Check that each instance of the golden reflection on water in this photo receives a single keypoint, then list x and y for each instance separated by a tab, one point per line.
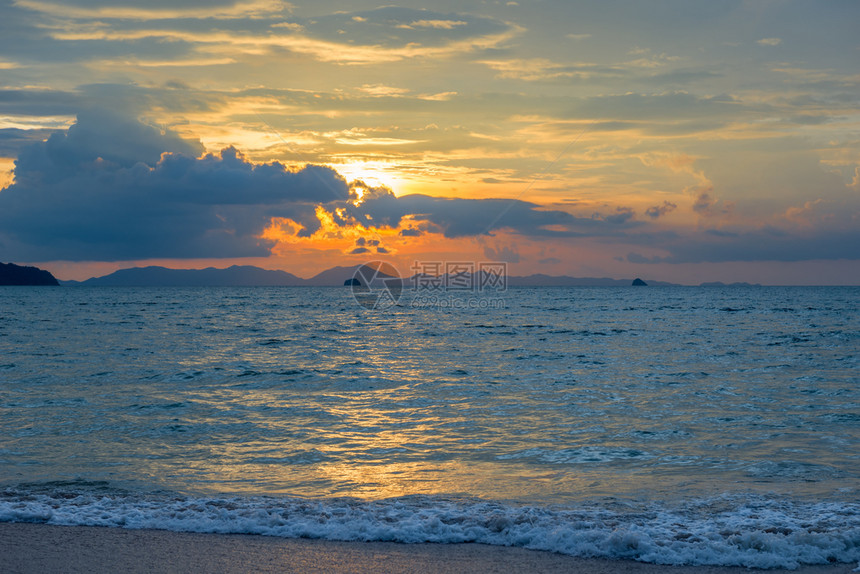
354	448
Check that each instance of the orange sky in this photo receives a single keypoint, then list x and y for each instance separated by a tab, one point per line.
692	142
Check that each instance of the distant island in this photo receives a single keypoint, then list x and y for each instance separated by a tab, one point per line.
11	274
250	276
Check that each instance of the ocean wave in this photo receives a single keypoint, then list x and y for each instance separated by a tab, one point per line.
731	530
584	455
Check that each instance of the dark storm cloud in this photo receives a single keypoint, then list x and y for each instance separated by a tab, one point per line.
457	217
97	137
110	188
13	140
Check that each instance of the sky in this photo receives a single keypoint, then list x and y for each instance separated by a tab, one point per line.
685	141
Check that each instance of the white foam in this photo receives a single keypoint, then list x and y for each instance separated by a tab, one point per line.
750	531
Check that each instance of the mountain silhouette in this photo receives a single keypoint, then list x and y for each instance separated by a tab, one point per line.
11	274
235	276
250	276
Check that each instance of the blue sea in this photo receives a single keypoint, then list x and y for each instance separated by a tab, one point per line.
672	425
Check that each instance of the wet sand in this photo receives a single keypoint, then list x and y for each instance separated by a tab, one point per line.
31	548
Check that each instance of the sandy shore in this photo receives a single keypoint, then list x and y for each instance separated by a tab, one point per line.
26	548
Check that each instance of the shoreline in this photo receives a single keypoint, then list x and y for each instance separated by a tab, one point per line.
29	548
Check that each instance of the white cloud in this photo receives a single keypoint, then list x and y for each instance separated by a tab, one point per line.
383	91
769	42
437	24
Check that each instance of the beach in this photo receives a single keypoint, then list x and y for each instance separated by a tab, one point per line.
31	548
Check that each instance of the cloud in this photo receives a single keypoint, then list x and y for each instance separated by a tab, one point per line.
682	76
113	188
439	24
381	90
655	69
39	102
672	106
708	206
621	215
110	188
820	229
396	27
98	137
766	244
542	69
855	181
12	140
660	210
769	42
458	217
506	253
195	35
158	10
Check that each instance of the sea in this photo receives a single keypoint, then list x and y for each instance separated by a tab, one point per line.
670	425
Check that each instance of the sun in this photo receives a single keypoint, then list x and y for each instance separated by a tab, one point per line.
372	173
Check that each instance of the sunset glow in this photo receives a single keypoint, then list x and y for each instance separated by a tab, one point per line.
692	142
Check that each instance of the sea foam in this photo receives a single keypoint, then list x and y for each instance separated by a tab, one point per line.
752	531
